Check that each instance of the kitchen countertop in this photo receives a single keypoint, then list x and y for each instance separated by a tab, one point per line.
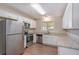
64	40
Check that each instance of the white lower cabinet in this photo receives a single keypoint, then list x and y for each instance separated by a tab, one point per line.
67	51
49	40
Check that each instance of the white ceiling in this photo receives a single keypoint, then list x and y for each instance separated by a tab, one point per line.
52	9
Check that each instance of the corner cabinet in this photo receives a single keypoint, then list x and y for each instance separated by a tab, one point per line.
70	18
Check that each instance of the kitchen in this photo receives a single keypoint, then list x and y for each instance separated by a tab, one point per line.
22	27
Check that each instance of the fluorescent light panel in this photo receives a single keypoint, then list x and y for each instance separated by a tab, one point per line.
38	8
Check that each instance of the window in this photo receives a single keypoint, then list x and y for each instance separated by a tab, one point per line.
49	25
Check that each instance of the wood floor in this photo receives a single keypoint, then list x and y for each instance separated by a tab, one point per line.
40	49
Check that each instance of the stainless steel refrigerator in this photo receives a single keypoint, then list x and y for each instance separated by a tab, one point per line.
11	37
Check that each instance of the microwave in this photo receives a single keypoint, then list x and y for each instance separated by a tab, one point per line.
26	25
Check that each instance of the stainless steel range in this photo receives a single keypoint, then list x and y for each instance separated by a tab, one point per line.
28	38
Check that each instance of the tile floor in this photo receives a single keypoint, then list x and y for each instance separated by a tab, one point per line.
40	49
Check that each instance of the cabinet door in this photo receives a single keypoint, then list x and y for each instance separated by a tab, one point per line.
33	24
49	40
67	18
75	15
14	44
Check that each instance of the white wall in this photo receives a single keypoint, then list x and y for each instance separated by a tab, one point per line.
58	25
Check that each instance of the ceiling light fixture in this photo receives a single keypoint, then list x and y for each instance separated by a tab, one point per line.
38	8
47	18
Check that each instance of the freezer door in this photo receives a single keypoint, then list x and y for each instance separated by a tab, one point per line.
13	27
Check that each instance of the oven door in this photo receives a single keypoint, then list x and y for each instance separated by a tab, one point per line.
29	40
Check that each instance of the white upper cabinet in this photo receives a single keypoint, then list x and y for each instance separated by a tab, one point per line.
75	10
70	18
67	18
32	24
28	20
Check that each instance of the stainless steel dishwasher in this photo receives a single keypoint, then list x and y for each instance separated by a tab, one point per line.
39	38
